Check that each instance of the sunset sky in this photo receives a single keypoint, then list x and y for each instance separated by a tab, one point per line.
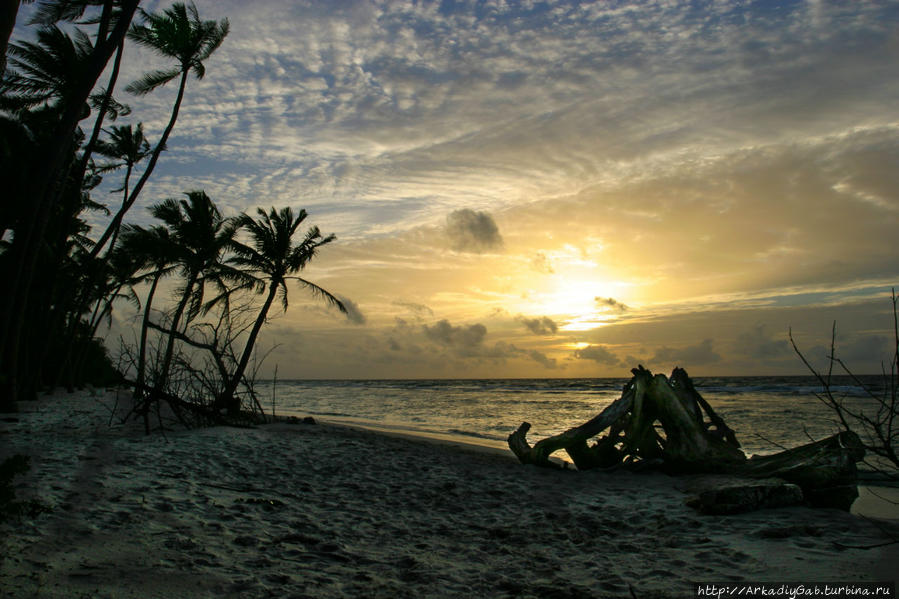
557	189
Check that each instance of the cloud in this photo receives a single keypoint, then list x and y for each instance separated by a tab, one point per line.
701	353
758	344
502	351
865	354
599	354
473	232
706	132
418	310
543	325
541	263
611	304
542	358
862	354
467	342
461	337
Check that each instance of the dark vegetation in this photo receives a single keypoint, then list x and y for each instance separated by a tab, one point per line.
875	419
63	279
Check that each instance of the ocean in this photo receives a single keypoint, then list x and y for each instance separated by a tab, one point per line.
767	413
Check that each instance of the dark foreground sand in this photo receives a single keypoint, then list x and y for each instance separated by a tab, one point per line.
328	511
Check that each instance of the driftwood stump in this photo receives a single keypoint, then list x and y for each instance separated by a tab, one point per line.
661	421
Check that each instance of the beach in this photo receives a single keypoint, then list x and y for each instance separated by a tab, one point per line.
321	510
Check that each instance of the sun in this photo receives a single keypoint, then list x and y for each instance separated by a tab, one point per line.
572	302
570	297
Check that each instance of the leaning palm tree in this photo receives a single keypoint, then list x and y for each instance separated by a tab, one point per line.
126	147
199	236
176	33
273	257
152	248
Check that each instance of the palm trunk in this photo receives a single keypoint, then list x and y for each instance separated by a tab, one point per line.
227	398
142	351
7	24
129	201
81	301
118	228
176	320
158	390
98	123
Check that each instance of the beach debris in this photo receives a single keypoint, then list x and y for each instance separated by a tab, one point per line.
664	423
728	495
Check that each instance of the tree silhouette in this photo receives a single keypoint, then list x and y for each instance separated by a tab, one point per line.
153	249
273	257
198	237
127	146
46	187
50	12
43	72
176	33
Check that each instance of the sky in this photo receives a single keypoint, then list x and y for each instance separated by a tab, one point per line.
556	189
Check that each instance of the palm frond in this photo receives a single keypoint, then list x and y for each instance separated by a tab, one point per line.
214	35
114	108
198	69
177	32
169	212
125	143
249	258
49	12
151	81
45	70
321	293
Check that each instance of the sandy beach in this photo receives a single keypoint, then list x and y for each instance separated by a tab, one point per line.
294	510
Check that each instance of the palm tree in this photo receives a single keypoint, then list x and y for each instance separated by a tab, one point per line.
176	33
153	249
44	71
39	85
274	257
120	274
127	146
17	145
50	12
199	237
